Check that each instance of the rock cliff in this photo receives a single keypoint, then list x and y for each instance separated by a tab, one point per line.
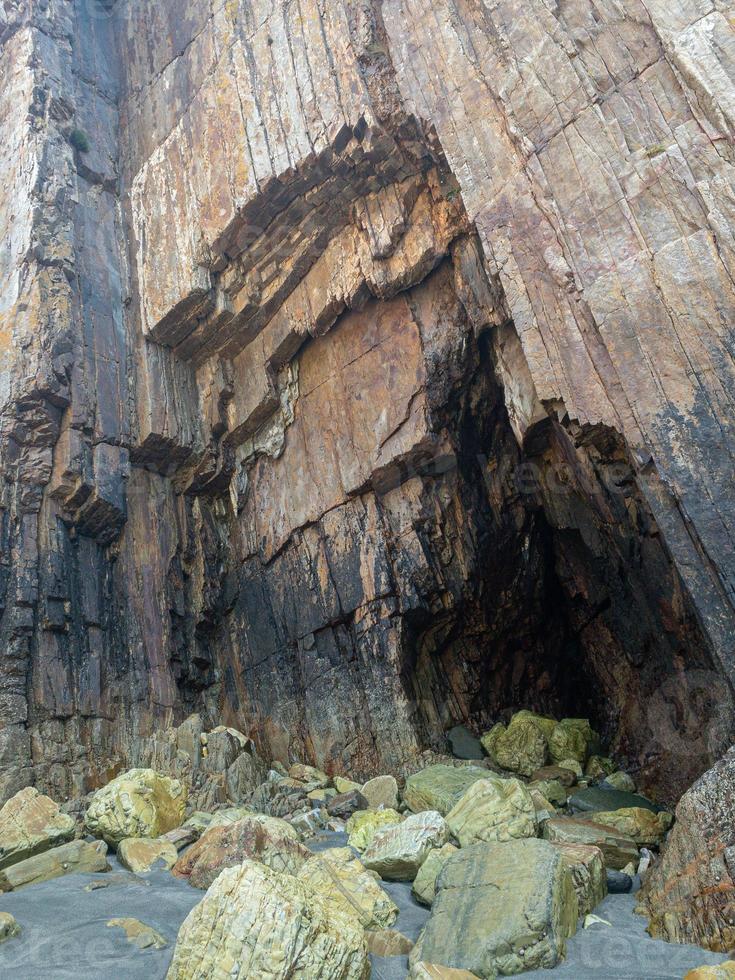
366	367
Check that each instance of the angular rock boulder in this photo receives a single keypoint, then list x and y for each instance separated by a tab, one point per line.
493	809
76	856
424	885
617	849
30	824
138	803
141	855
339	877
500	909
314	778
381	791
602	798
343	805
647	829
440	787
521	748
689	894
396	853
723	971
587	867
363	824
267	840
572	738
254	922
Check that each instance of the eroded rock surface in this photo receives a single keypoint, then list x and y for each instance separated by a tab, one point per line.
363	356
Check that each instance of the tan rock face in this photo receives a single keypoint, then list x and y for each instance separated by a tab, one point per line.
29	824
254	922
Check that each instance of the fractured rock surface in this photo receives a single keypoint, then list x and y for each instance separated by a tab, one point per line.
363	370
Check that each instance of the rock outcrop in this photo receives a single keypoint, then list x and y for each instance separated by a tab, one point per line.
364	355
689	895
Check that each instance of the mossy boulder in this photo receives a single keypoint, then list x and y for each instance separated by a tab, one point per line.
647	829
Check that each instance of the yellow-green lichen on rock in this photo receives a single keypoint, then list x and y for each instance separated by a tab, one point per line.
522	747
138	803
254	922
342	879
493	809
363	824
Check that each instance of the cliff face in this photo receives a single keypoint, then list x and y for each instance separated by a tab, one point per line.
365	367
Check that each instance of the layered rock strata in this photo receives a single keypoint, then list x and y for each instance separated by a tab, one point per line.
364	369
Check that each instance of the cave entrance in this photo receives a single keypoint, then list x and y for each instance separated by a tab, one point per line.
572	606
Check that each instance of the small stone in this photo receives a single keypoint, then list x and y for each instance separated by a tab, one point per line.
141	856
566	776
618	882
397	852
573	766
599	767
620	781
138	933
343	785
9	928
381	791
387	942
321	795
550	789
345	804
432	971
308	774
